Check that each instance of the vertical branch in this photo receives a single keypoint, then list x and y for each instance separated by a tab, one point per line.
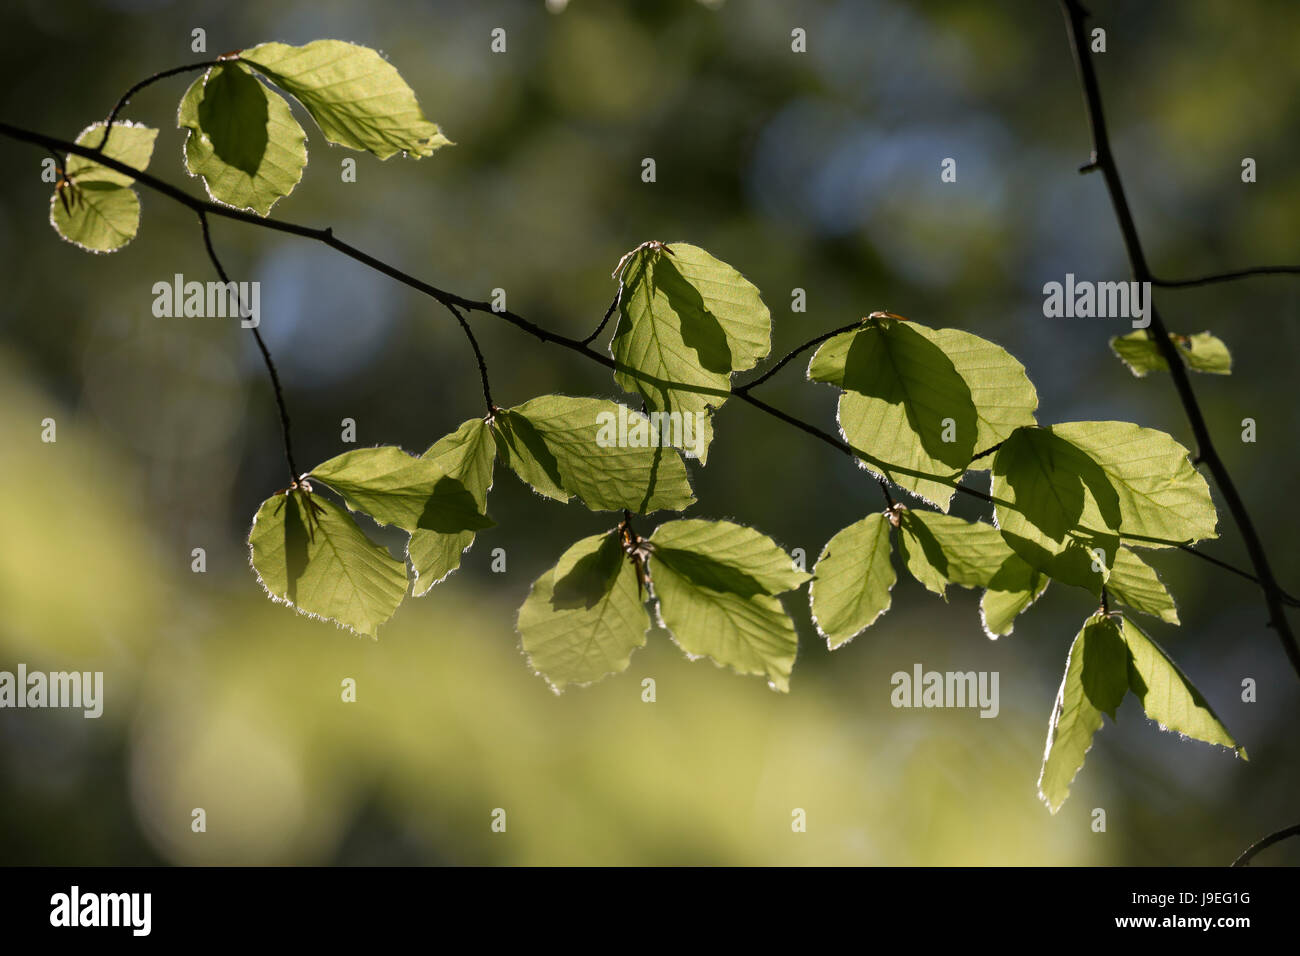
1205	452
294	473
478	355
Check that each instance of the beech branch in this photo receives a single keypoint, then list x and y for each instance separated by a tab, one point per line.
1205	451
458	305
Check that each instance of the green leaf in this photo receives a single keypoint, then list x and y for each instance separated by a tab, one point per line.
1163	501
322	564
1202	352
1095	682
243	139
715	584
1111	656
942	549
584	617
1135	583
566	446
100	217
357	98
398	489
1003	396
96	209
686	320
739	558
1167	696
1056	507
906	410
128	143
467	455
852	580
1014	587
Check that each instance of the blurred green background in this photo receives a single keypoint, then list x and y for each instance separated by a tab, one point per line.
818	171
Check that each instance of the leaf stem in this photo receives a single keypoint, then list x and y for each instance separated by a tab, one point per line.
478	356
294	473
618	295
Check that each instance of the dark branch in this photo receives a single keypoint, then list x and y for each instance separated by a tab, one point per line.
478	356
986	452
149	81
1264	844
1286	597
608	312
294	473
1159	333
1226	276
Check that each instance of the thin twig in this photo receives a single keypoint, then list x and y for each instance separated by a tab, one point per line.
1265	843
1287	598
149	81
478	355
294	473
1225	276
618	295
1075	15
740	389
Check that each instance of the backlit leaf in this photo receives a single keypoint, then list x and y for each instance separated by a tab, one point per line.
1135	583
1167	696
398	489
715	584
467	455
357	98
687	321
1163	500
1056	507
322	564
97	210
565	446
852	580
1203	352
906	410
584	617
242	139
1095	682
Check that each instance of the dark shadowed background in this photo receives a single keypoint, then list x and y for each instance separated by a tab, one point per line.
818	171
